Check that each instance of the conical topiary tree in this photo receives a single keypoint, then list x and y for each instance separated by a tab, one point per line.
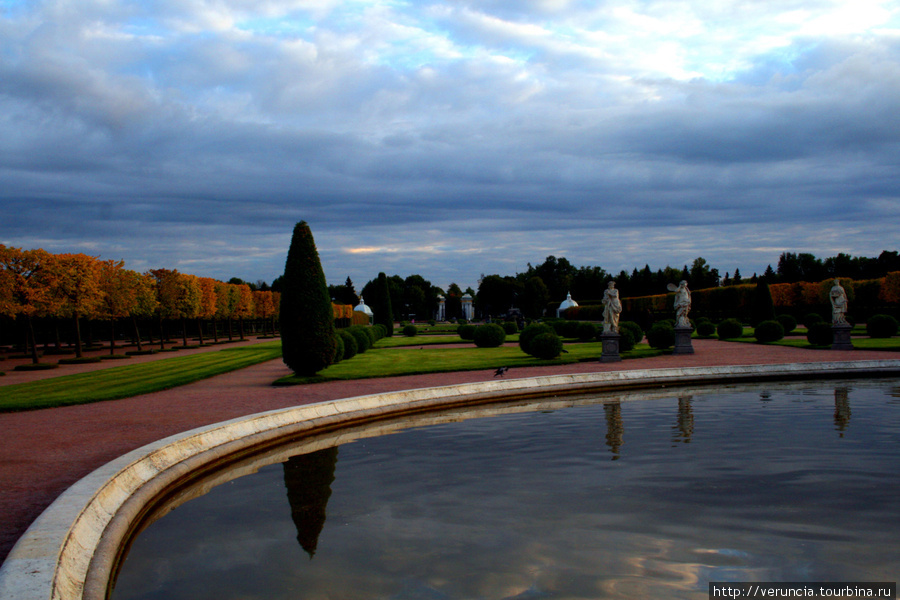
308	341
381	305
762	307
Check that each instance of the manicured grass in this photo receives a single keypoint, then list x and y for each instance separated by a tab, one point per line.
425	340
420	340
863	343
386	362
132	380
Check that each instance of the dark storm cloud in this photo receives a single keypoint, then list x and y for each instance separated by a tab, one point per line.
463	137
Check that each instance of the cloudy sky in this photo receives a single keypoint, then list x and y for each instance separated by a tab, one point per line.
449	138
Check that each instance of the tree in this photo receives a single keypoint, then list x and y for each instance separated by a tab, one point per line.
119	296
243	306
308	338
263	306
28	280
78	285
535	297
380	302
209	303
762	308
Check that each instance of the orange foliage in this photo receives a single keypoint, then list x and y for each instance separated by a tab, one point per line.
890	288
208	299
28	282
263	304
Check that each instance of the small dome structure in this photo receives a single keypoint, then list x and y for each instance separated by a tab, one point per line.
363	308
567	303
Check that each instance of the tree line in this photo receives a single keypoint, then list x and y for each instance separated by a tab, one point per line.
37	286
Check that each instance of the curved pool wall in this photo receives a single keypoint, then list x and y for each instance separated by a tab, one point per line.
70	551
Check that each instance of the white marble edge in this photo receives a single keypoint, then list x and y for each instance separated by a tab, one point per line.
52	559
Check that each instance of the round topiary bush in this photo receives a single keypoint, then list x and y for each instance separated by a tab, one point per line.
363	341
351	348
338	350
626	340
636	332
568	329
705	328
730	329
585	331
820	334
410	331
661	335
510	327
546	346
466	332
768	331
881	326
811	319
788	323
531	332
380	331
373	337
489	335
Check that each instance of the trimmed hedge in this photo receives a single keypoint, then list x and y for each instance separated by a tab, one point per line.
820	334
546	346
881	326
788	323
661	335
351	348
636	332
585	331
510	327
531	332
768	331
705	327
730	329
363	341
410	331
626	340
489	335
466	332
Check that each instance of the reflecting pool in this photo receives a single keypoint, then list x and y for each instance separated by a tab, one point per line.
642	495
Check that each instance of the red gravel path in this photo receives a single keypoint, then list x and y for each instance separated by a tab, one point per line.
43	452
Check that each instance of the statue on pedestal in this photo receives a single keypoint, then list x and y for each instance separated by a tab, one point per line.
682	304
612	307
838	304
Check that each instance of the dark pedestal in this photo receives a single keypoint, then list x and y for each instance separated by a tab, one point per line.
610	341
683	340
841	337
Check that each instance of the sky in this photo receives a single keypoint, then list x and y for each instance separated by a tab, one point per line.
449	138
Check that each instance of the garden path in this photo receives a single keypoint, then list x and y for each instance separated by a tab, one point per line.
43	452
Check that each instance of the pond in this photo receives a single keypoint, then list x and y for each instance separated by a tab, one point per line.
639	495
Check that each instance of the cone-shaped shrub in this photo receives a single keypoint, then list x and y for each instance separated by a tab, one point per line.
307	321
381	305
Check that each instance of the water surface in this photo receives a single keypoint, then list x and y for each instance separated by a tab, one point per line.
618	498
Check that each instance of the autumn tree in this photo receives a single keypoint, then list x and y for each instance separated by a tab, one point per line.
224	307
78	286
263	306
119	295
29	279
243	308
208	303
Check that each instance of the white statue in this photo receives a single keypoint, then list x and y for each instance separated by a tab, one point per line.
682	303
612	306
838	304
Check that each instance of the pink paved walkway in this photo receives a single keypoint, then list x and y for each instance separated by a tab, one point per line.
43	452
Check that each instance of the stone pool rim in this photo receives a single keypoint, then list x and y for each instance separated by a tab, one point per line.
70	551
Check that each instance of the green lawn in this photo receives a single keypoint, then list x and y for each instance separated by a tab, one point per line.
385	362
132	380
859	343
